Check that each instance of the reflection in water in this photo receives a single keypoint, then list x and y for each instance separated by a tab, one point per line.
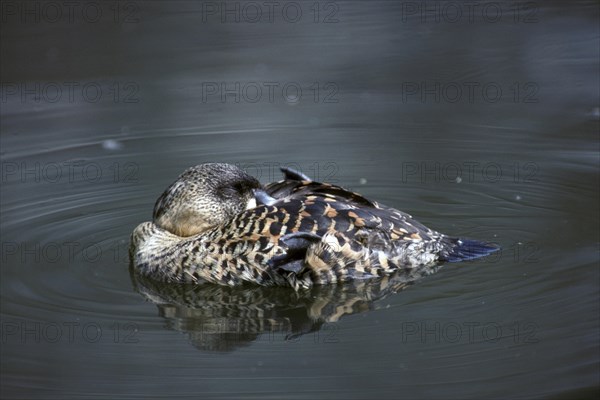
223	318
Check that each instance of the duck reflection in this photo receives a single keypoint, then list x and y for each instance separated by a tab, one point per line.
223	318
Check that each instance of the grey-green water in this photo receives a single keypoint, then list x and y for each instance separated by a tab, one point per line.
482	124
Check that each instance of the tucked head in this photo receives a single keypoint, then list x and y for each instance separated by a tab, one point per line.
203	197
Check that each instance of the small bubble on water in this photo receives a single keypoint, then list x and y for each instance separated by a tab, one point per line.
458	179
362	181
518	197
111	144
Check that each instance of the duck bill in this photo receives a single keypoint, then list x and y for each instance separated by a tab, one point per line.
262	198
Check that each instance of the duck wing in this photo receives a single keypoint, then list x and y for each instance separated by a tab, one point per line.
319	217
331	207
298	189
366	236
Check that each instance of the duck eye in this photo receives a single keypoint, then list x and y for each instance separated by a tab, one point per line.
227	192
239	187
236	189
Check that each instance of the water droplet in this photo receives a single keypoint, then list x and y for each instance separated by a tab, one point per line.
111	144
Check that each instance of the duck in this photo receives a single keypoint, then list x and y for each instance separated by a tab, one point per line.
216	223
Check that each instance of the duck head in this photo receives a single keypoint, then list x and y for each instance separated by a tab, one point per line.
204	197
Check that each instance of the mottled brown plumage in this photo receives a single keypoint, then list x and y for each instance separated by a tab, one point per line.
295	232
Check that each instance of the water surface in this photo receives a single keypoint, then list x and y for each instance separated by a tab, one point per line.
482	128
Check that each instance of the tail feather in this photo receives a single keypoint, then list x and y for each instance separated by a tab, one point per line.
466	249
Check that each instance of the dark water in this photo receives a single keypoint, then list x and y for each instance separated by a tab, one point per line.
482	124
